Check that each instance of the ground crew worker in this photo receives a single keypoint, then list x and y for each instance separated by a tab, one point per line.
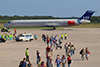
6	36
9	36
65	36
15	31
61	36
2	35
27	55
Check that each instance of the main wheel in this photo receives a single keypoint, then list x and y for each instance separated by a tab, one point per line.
54	28
30	40
26	40
3	41
16	40
21	40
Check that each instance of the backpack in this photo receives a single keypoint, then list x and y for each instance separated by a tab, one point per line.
81	52
88	52
69	61
53	41
47	40
20	63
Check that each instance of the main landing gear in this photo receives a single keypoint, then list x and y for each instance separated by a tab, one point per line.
54	28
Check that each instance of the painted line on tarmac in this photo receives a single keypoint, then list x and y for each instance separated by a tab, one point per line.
11	53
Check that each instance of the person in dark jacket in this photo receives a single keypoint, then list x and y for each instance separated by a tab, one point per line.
23	63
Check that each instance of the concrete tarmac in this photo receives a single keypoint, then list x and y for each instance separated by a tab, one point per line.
12	52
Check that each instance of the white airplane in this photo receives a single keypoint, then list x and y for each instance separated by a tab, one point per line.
50	22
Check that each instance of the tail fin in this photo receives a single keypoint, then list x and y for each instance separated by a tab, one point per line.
87	15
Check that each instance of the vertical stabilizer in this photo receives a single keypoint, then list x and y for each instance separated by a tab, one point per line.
87	15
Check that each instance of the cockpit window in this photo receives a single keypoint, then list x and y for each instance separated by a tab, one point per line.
8	22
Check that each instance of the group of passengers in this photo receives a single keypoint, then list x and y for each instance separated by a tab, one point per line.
69	49
55	42
59	61
84	53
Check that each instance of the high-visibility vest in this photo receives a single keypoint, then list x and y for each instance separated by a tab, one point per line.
9	35
26	52
65	35
2	35
6	36
61	35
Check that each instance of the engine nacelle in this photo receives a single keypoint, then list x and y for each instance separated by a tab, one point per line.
71	22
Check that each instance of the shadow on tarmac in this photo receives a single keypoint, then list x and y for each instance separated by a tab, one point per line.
77	60
48	29
57	29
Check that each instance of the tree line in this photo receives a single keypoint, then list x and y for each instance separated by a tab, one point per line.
95	19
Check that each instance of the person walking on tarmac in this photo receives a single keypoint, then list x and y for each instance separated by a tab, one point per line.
15	31
27	55
23	63
82	52
35	37
62	36
69	60
87	53
65	36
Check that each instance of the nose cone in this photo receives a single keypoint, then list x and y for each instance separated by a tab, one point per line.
5	25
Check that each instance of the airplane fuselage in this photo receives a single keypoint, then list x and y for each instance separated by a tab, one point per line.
50	22
43	23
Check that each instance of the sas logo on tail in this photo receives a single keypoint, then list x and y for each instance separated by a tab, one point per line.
86	17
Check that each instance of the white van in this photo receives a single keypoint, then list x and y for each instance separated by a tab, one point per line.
24	37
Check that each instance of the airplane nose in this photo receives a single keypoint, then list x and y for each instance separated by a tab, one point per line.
5	25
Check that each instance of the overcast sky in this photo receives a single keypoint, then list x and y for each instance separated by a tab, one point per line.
56	8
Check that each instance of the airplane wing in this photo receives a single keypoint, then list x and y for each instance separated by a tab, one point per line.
52	24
